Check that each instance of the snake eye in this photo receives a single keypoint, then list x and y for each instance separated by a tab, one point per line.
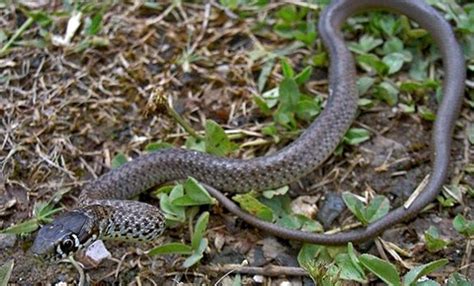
69	244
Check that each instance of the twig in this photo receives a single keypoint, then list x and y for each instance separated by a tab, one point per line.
467	256
417	191
271	270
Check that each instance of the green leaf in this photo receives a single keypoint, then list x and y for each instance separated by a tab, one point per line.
457	279
366	44
355	136
262	104
364	84
199	229
306	33
285	118
307	109
286	68
418	87
309	225
156	146
394	61
280	205
197	192
95	24
419	68
230	4
393	45
216	140
453	191
416	273
385	270
118	160
271	97
407	108
193	143
3	37
377	208
387	92
197	254
370	62
355	260
365	102
289	94
194	194
426	113
320	59
349	271
24	227
355	206
40	17
278	192
433	241
171	211
271	130
308	254
253	206
463	226
5	272
289	221
264	74
446	202
237	280
43	211
288	14
389	24
304	75
171	248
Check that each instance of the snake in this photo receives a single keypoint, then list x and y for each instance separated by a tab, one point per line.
105	211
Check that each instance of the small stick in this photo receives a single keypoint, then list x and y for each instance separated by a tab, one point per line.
271	270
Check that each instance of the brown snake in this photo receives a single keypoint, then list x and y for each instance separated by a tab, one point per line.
105	212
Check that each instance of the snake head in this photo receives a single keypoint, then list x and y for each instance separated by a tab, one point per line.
64	236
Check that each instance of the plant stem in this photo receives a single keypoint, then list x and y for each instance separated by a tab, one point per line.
181	121
17	34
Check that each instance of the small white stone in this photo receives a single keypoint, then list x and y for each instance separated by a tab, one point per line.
97	252
258	278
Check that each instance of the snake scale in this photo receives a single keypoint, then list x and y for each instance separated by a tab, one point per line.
105	212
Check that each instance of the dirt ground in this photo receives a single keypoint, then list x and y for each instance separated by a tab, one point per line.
65	112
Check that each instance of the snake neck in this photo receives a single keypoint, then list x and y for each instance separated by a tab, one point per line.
124	220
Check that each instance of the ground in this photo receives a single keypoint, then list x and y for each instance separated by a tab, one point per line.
69	106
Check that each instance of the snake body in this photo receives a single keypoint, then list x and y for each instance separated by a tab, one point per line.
104	211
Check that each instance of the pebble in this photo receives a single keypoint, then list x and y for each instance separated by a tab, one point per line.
258	278
97	252
331	208
7	241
